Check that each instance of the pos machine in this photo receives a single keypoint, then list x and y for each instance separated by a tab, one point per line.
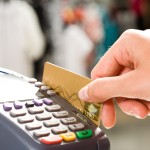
34	116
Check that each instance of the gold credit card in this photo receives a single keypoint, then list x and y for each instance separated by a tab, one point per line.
67	84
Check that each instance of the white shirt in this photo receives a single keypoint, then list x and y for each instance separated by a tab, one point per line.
74	47
21	39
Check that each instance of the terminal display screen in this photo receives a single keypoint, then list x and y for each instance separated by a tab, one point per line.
15	88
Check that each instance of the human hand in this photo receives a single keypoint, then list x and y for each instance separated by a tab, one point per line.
122	73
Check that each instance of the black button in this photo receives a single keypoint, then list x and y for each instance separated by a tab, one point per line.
29	104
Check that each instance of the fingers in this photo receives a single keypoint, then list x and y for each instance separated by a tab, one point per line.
123	67
107	66
137	108
124	54
108	116
119	56
103	89
133	107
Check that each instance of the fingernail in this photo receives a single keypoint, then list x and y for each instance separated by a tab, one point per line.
108	127
131	113
83	94
137	116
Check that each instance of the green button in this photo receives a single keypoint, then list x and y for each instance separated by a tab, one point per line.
84	134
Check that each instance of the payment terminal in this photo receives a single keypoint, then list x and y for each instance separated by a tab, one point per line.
35	117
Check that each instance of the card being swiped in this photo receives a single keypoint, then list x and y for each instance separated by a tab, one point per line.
67	84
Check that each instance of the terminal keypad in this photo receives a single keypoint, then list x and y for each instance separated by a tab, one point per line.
47	121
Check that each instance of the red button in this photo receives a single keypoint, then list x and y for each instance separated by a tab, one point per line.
51	140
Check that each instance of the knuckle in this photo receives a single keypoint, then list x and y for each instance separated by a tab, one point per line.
133	34
129	32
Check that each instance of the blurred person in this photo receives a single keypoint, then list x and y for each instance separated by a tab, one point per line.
21	39
111	29
123	73
93	27
77	40
75	46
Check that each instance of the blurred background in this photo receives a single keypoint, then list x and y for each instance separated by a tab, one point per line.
73	34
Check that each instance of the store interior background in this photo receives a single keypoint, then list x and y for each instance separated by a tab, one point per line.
74	34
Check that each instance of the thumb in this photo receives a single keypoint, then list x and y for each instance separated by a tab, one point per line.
102	89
